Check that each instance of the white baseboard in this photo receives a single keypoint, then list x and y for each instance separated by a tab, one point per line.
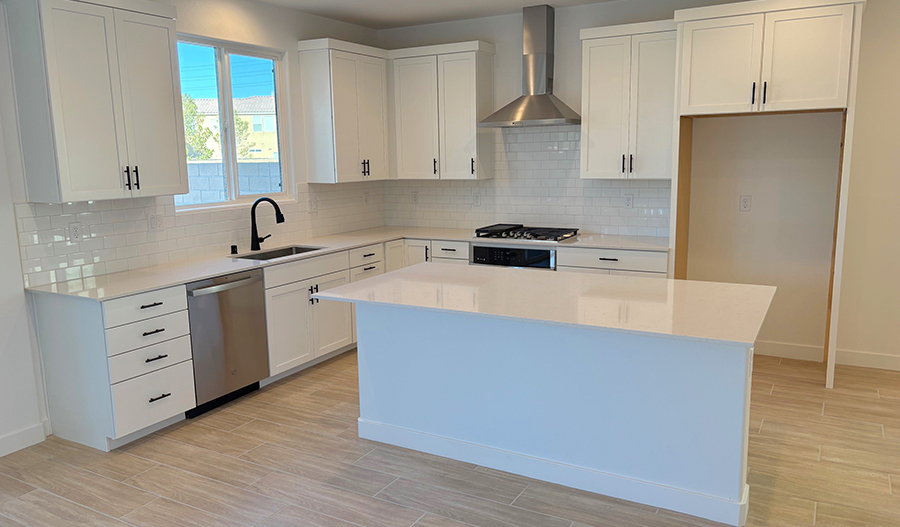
868	359
680	500
23	438
275	378
789	351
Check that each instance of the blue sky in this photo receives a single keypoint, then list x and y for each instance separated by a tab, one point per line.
250	75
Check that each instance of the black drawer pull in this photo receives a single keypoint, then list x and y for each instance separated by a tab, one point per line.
369	268
448	249
609	259
154	332
154	304
368	255
154	359
163	396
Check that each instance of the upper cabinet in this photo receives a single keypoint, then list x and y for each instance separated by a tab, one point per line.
775	61
98	99
440	94
627	101
344	98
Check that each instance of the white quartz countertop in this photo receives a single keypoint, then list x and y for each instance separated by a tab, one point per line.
675	308
126	283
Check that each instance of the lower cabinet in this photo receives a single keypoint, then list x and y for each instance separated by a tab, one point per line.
393	255
149	399
289	338
416	251
450	261
332	321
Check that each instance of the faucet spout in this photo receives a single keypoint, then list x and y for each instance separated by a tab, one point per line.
255	239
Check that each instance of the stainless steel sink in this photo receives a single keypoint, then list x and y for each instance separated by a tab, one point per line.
278	253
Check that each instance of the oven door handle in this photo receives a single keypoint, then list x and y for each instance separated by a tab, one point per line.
211	290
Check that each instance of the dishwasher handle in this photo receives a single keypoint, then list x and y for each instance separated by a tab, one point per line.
213	289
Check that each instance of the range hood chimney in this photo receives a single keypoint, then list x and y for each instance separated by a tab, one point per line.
538	106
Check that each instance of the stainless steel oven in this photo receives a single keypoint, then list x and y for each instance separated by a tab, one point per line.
514	256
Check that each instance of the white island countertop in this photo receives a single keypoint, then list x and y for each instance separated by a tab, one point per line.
674	308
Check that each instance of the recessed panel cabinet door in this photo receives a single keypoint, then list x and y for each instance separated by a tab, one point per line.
456	98
332	320
604	107
721	60
416	251
344	84
652	105
85	100
288	312
416	117
393	255
806	58
373	115
151	93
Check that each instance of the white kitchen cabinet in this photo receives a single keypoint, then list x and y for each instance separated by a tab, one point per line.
288	310
455	261
588	270
393	255
439	98
100	88
628	90
344	100
332	321
806	58
416	251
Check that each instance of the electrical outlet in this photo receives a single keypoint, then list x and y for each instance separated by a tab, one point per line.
745	203
415	196
629	201
312	205
75	232
367	198
155	223
476	199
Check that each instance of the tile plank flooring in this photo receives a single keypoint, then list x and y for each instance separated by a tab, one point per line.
289	455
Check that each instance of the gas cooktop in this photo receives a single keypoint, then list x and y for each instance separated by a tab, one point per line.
518	231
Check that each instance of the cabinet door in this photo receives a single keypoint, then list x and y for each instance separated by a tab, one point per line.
806	58
85	100
332	321
288	312
416	251
393	255
416	117
652	105
151	93
606	64
456	101
720	68
373	132
345	108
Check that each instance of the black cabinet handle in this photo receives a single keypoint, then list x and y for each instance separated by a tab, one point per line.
630	162
753	94
368	167
623	163
154	332
154	304
765	90
369	268
317	290
163	396
311	299
473	166
435	165
137	179
368	255
128	178
426	253
154	359
448	249
364	167
609	259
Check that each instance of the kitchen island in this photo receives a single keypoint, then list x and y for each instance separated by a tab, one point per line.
636	388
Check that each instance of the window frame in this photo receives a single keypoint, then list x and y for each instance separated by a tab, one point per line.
224	49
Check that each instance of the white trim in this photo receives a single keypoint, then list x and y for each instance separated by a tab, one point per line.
657	26
869	359
341	45
23	438
112	444
790	350
754	7
441	49
287	373
716	509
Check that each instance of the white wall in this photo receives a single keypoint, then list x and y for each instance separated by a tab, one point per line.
868	332
788	164
20	419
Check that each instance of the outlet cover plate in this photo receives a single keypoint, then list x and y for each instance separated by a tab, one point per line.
155	223
745	203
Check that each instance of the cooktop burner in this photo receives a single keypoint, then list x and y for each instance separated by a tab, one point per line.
519	231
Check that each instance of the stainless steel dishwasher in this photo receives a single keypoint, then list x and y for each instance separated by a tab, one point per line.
228	337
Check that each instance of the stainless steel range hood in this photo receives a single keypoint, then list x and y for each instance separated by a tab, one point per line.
538	106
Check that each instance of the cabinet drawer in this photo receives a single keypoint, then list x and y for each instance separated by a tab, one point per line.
143	306
149	399
146	332
296	271
145	360
655	262
455	250
366	255
366	271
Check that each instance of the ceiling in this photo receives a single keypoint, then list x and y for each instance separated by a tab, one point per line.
386	14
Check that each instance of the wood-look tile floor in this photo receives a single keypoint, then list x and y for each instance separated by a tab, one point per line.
289	455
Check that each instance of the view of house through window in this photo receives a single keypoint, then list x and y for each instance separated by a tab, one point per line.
240	158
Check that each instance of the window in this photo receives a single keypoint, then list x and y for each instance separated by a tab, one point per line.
230	98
